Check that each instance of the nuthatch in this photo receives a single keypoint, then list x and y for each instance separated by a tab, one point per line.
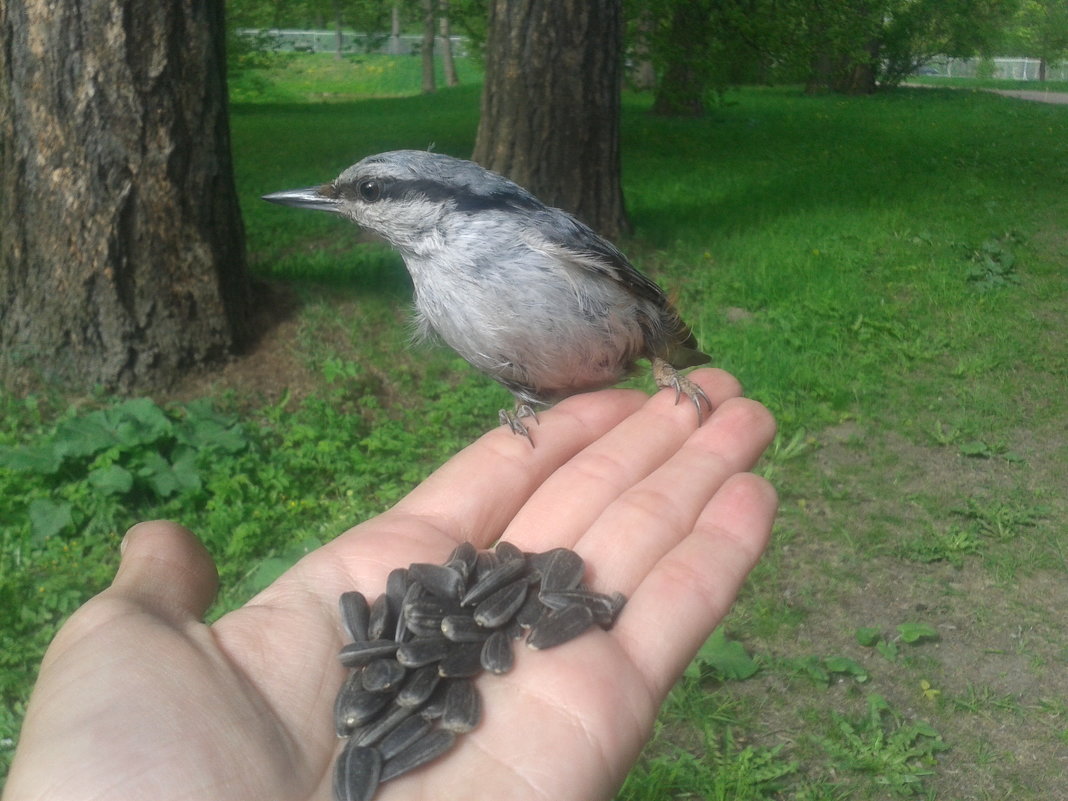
524	292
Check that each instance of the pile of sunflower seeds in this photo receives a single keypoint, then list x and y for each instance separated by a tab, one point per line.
416	650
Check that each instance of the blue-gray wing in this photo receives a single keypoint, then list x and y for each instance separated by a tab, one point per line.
577	245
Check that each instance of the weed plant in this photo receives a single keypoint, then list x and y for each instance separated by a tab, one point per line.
885	273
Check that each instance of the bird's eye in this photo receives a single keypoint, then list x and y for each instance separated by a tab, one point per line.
370	190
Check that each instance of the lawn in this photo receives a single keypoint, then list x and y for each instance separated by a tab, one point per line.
885	273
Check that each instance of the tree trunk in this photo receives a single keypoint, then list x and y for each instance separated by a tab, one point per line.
338	40
449	65
550	104
429	82
686	81
122	259
394	30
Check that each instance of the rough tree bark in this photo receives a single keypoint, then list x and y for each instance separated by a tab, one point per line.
550	104
122	258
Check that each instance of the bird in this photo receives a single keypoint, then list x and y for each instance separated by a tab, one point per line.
524	292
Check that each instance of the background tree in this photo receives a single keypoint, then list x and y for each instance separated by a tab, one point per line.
852	46
429	9
122	258
448	63
550	104
1040	30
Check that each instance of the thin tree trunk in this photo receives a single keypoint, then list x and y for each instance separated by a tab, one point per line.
551	104
451	78
122	258
338	41
429	81
395	28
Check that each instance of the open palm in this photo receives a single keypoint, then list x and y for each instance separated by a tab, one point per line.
139	699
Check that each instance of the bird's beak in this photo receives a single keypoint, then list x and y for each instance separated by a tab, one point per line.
320	198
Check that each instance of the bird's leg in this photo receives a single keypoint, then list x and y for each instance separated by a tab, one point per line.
514	419
667	376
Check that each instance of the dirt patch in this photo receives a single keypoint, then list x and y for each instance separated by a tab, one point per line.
269	368
857	517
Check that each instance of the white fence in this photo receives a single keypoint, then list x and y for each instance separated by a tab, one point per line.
1017	69
325	41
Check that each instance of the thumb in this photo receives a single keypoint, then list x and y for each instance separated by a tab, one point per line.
167	569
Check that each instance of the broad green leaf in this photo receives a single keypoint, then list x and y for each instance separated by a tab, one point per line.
48	517
139	421
85	435
843	664
113	479
41	459
726	657
914	632
868	636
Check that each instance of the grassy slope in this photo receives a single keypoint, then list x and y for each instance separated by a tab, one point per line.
821	248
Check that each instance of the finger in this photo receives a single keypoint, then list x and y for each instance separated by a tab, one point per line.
474	495
651	518
576	494
688	592
167	569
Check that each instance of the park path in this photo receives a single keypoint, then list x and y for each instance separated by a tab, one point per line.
1057	98
1060	98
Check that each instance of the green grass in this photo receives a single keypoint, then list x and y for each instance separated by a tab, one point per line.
322	77
886	273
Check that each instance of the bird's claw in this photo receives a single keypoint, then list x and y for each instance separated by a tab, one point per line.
667	376
514	420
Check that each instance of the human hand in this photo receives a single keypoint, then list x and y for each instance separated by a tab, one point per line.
138	699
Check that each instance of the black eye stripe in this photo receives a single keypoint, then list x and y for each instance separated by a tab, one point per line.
370	190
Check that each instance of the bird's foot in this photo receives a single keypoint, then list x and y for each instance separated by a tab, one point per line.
667	376
514	420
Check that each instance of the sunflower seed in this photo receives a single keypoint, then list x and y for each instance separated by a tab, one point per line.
360	653
382	675
562	570
559	626
419	685
397	587
357	773
430	610
380	621
404	735
498	608
463	707
604	607
448	622
422	651
493	580
485	562
496	655
355	706
435	705
444	582
514	630
462	661
355	613
424	629
462	628
430	746
371	733
531	611
507	551
465	552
